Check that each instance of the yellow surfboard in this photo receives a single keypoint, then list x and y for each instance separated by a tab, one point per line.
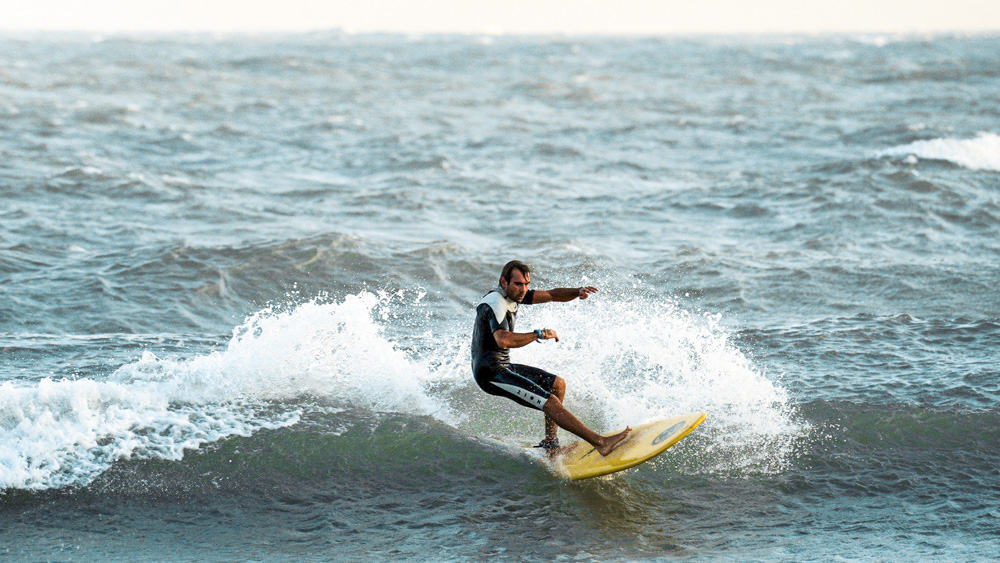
580	460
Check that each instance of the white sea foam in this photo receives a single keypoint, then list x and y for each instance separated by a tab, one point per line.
979	153
59	433
316	348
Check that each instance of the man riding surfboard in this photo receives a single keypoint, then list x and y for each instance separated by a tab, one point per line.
492	338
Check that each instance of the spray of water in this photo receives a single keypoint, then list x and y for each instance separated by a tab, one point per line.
630	358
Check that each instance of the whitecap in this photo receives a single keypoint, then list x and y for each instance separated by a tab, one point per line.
979	153
58	433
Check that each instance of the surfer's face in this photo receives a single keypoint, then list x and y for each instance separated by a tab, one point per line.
517	286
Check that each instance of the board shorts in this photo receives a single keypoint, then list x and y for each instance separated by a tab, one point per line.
525	385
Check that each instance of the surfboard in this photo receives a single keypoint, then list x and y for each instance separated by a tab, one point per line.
580	460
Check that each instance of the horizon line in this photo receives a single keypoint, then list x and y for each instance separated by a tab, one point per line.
505	33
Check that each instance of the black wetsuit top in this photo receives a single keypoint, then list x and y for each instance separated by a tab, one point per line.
485	350
491	365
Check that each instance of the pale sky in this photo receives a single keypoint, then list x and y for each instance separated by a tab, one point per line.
505	16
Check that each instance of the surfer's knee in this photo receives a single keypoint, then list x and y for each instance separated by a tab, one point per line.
552	404
559	387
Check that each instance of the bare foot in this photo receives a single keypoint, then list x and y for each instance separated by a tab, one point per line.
608	443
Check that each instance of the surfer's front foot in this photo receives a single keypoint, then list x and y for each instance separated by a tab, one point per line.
609	443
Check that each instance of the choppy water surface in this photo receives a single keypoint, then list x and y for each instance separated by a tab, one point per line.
236	280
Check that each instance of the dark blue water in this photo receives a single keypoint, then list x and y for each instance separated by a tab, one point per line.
237	273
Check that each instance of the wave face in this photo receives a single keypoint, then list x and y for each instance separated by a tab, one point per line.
237	277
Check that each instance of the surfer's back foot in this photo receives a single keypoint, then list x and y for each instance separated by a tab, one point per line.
609	443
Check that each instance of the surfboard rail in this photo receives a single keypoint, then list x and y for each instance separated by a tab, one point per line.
580	460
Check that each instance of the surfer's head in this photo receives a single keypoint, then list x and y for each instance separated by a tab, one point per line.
515	279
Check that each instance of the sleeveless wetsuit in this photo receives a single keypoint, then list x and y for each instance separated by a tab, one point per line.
491	365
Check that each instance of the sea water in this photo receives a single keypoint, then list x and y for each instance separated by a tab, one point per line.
237	276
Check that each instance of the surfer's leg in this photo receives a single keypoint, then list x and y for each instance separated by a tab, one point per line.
551	428
565	419
553	385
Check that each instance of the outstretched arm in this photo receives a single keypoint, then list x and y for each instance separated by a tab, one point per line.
563	294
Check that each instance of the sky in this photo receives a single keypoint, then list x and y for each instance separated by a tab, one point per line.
615	17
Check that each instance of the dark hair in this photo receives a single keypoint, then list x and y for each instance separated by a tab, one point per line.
509	268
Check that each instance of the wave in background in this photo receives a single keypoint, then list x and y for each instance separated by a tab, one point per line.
979	153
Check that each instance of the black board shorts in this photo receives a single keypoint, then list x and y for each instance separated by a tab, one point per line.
525	385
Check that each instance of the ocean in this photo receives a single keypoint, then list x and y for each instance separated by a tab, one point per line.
237	279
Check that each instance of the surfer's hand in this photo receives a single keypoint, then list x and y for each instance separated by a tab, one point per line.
548	333
584	292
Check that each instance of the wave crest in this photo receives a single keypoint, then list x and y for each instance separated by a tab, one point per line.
979	153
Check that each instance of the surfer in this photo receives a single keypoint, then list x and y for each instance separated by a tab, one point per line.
493	336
